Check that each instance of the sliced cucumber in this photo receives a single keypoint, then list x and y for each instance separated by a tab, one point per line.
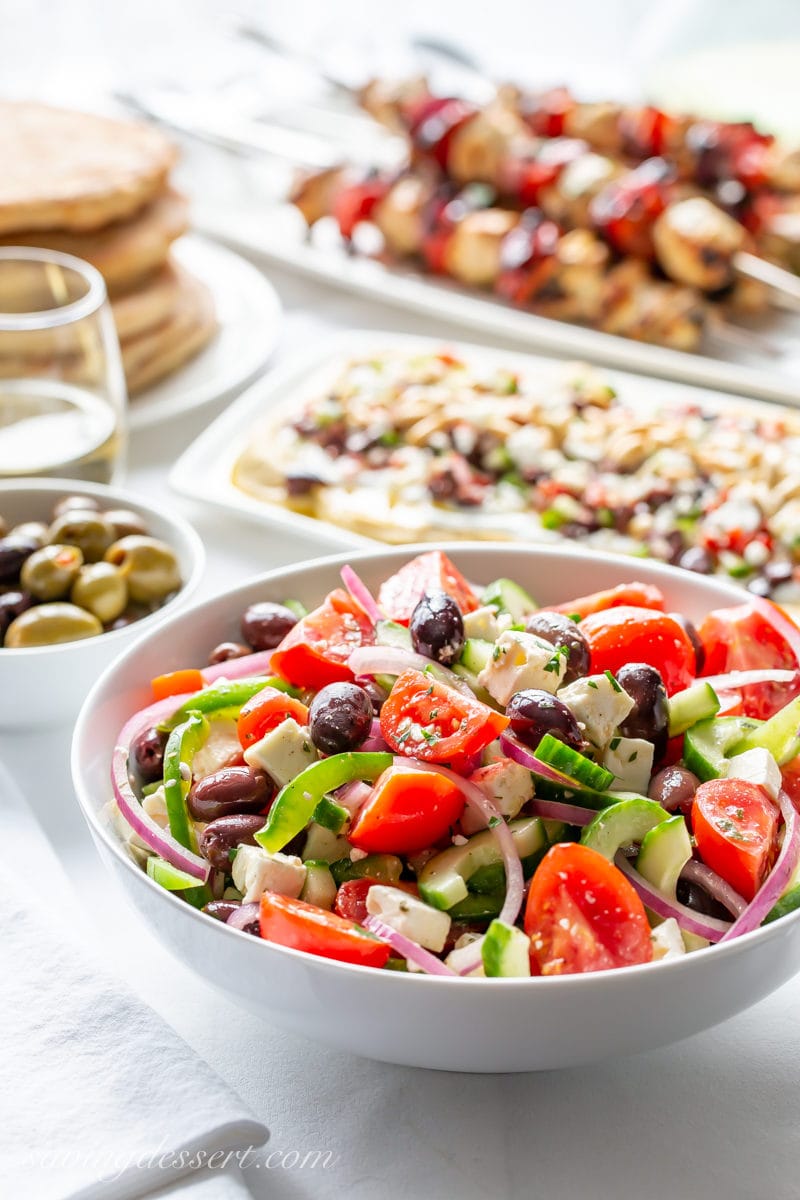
505	951
331	815
383	868
443	879
707	744
780	735
580	768
476	654
477	906
320	886
621	824
169	877
556	831
665	851
507	596
492	878
389	633
697	703
788	902
324	845
295	606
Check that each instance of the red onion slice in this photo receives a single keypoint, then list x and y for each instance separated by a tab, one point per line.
571	814
409	950
243	916
393	660
157	839
361	594
515	881
705	927
715	885
238	668
740	679
353	794
775	884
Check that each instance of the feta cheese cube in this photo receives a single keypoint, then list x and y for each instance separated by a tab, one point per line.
507	784
757	766
283	752
667	941
482	623
255	872
426	926
599	704
631	760
522	660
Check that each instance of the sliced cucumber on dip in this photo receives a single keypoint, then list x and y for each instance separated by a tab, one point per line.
505	595
622	824
697	703
708	744
665	851
557	754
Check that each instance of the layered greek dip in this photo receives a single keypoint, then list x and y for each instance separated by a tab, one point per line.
450	780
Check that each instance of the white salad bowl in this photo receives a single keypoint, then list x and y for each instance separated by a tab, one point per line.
426	1021
46	685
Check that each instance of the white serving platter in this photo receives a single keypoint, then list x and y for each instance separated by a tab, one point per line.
768	370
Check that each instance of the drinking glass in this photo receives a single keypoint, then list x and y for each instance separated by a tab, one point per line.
62	389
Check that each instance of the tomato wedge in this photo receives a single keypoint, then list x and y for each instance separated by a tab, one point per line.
624	635
265	711
583	915
636	595
351	898
735	825
740	639
407	811
176	683
425	719
302	926
430	572
315	651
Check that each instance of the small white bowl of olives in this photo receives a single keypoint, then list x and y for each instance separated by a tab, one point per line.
83	570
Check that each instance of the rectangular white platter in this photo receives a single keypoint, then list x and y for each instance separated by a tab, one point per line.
203	472
768	370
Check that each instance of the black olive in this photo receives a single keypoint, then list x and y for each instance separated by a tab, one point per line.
559	630
13	552
147	752
265	625
674	788
437	628
229	790
340	718
534	713
649	717
225	834
11	605
698	899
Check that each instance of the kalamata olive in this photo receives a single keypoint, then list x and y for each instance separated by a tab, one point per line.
100	589
70	503
534	713
437	628
229	790
225	651
697	559
147	754
221	909
694	638
89	531
125	522
559	630
698	899
377	695
340	718
149	566
49	624
49	573
265	625
674	788
36	531
13	552
225	834
11	605
649	716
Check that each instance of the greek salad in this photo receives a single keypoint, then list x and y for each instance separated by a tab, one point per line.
448	779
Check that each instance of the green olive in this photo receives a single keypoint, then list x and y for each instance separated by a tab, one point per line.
149	566
47	624
50	572
70	503
101	590
34	531
90	531
125	522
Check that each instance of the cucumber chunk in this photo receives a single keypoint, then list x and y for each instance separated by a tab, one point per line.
780	735
697	703
621	824
297	607
476	655
707	745
443	879
320	886
478	906
507	596
389	633
665	851
563	758
505	951
331	815
383	868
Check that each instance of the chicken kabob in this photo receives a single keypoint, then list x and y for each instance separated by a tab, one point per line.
523	256
647	211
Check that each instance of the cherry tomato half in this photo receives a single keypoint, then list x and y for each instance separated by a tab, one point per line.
407	811
351	898
735	825
431	572
583	915
303	926
425	719
266	710
625	635
315	651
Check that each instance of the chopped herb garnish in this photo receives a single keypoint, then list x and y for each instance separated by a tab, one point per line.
576	617
592	683
634	756
494	822
612	681
612	745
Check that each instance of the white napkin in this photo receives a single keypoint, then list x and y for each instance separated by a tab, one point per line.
98	1091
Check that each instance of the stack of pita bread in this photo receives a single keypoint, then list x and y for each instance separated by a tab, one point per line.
99	188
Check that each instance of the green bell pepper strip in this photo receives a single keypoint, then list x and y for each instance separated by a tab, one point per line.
182	745
295	804
171	878
228	696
